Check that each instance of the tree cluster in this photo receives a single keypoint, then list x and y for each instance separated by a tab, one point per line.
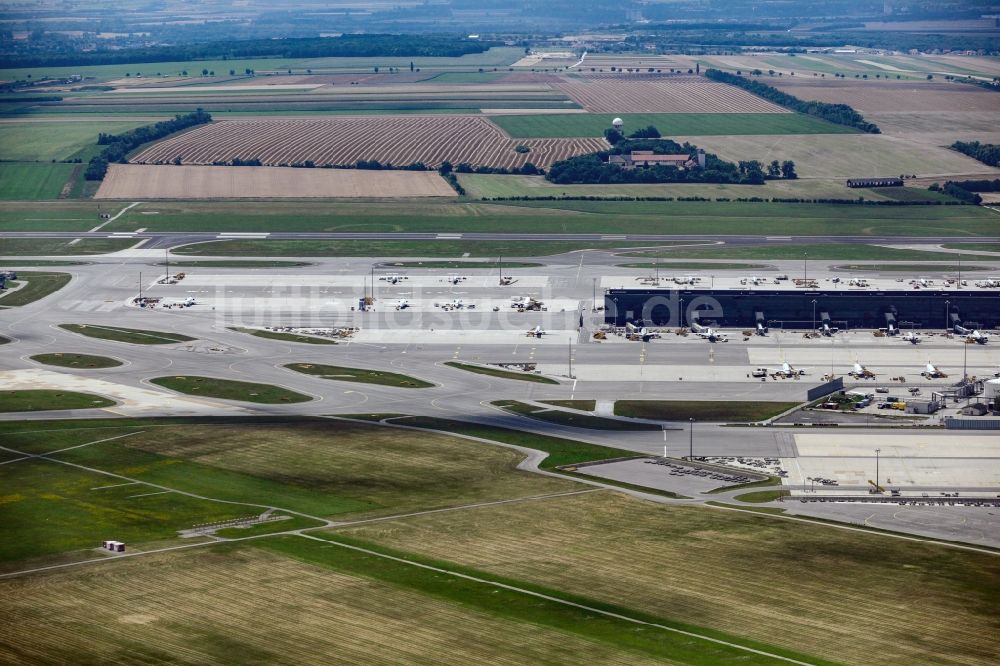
118	146
987	153
840	114
596	168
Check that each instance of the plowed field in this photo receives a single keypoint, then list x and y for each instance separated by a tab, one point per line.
346	140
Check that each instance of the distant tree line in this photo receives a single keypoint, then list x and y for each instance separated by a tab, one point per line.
841	114
118	146
860	201
966	190
374	45
987	153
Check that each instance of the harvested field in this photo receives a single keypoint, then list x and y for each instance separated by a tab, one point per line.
891	96
844	156
664	95
348	139
144	181
249	605
814	588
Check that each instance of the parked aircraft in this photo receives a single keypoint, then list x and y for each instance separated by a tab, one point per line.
978	337
861	372
931	372
911	337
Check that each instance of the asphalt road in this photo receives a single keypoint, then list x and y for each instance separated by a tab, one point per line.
163	239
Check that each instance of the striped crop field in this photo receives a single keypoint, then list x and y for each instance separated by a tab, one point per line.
345	140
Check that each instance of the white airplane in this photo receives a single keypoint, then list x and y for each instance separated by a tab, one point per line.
455	279
978	337
911	337
861	372
788	371
189	301
536	332
931	372
394	278
707	332
402	304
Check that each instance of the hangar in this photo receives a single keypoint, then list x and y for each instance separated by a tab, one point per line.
781	306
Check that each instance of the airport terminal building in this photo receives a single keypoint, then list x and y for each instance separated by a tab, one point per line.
807	306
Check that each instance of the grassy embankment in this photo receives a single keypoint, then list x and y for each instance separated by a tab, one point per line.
572	419
360	375
134	336
71	360
38	286
701	410
229	389
284	337
40	400
501	373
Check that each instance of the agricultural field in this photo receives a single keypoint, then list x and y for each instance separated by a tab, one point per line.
145	181
808	587
345	140
876	96
852	156
251	605
663	95
46	141
670	125
33	180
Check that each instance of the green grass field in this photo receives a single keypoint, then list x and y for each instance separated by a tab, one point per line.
560	451
570	418
669	124
320	467
463	265
134	336
693	265
360	375
374	248
37	286
284	337
501	373
235	263
974	247
489	186
914	268
604	217
45	141
583	405
54	508
38	247
39	400
30	181
229	389
72	360
700	410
